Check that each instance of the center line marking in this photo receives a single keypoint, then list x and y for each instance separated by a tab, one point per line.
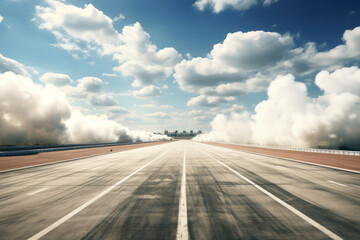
337	183
292	209
40	190
77	210
182	228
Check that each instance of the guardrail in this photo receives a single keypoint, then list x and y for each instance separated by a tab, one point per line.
34	149
316	150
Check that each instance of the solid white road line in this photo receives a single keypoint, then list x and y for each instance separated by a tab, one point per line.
292	209
77	210
293	160
182	228
40	190
337	183
299	161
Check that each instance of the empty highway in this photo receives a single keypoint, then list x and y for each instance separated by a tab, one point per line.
179	190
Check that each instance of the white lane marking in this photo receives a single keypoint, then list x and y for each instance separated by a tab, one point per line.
182	228
337	183
293	160
40	190
292	209
73	159
77	210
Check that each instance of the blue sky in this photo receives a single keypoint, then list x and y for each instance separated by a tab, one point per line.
176	64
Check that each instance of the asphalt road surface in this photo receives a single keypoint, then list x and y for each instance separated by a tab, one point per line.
180	190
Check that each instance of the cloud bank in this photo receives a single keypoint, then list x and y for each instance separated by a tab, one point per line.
290	117
247	62
33	114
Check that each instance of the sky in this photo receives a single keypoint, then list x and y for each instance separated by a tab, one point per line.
249	71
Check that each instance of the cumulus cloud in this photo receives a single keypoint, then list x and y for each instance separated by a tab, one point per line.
239	58
248	62
92	128
91	84
90	28
140	58
117	109
57	79
208	101
339	81
148	91
8	64
68	21
89	88
218	6
33	114
290	117
102	100
30	113
341	54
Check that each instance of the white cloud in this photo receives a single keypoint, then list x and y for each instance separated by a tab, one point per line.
30	113
103	99
91	84
148	91
218	6
140	58
290	117
211	101
340	81
8	64
57	79
236	128
239	58
93	30
117	110
68	21
109	74
248	62
33	114
89	88
340	54
119	18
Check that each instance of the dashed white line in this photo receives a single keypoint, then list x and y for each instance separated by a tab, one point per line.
77	210
182	228
292	209
340	184
40	190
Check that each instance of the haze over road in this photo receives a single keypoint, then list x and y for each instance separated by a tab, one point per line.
180	190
